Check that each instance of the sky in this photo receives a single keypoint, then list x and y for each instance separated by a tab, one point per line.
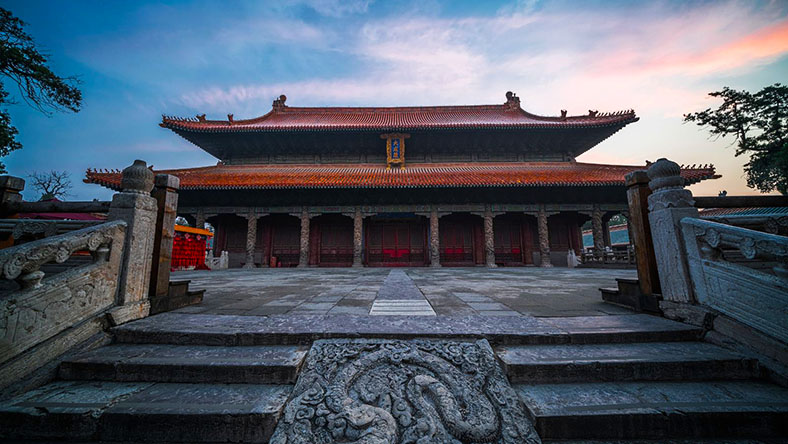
137	60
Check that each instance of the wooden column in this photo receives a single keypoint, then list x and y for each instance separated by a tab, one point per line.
251	239
640	231
435	242
489	238
358	244
165	191
544	238
303	256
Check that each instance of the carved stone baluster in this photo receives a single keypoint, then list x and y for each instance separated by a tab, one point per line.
544	238
138	209
668	204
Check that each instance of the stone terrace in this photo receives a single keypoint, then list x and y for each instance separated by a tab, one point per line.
450	291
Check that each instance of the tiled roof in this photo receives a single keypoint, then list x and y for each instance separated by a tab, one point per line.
270	176
507	115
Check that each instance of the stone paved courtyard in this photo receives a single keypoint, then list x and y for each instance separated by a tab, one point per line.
449	291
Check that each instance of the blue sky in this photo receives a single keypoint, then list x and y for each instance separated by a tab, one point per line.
138	60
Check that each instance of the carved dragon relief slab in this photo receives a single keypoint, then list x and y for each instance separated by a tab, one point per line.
395	391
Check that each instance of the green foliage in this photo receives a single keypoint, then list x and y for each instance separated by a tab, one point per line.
24	65
759	124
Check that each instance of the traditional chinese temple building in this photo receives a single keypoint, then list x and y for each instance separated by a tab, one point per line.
401	186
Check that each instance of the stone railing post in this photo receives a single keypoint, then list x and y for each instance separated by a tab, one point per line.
435	241
544	238
489	238
358	245
10	189
640	231
165	191
137	208
303	254
667	205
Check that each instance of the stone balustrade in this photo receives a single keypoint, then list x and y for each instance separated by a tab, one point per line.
45	306
768	223
21	228
44	316
752	296
22	263
731	280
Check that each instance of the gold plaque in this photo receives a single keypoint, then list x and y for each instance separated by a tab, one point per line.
395	149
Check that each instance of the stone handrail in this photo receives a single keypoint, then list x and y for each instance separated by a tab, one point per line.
93	206
22	262
756	298
41	310
22	227
769	223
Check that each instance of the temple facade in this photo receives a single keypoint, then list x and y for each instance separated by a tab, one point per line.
434	186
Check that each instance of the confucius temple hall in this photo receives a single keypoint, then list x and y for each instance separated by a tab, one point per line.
402	186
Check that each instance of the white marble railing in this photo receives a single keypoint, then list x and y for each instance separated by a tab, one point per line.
768	223
41	306
217	263
754	297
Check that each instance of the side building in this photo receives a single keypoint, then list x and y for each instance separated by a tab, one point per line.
400	186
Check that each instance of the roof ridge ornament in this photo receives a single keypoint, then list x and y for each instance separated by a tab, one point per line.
279	104
512	101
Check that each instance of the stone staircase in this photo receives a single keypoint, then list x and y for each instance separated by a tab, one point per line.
210	378
644	390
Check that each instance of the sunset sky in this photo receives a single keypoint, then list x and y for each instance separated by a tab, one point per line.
138	60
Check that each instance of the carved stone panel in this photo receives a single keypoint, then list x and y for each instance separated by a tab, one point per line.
395	391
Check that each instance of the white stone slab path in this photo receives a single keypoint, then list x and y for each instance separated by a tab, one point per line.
401	307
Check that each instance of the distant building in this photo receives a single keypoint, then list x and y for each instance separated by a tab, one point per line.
401	186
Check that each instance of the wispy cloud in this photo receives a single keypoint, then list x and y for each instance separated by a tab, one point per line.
579	59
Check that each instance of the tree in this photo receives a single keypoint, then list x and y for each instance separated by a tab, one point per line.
51	185
759	124
23	64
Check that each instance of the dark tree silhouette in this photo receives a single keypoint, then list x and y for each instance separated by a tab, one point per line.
23	64
51	185
759	124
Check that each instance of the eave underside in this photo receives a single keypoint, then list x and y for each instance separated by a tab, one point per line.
425	196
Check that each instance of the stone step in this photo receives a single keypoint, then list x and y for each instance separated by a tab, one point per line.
185	328
653	361
149	412
187	363
655	410
662	441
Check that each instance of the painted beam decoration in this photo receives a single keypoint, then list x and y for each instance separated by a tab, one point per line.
395	149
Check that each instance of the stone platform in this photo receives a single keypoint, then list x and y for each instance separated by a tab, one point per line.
448	291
